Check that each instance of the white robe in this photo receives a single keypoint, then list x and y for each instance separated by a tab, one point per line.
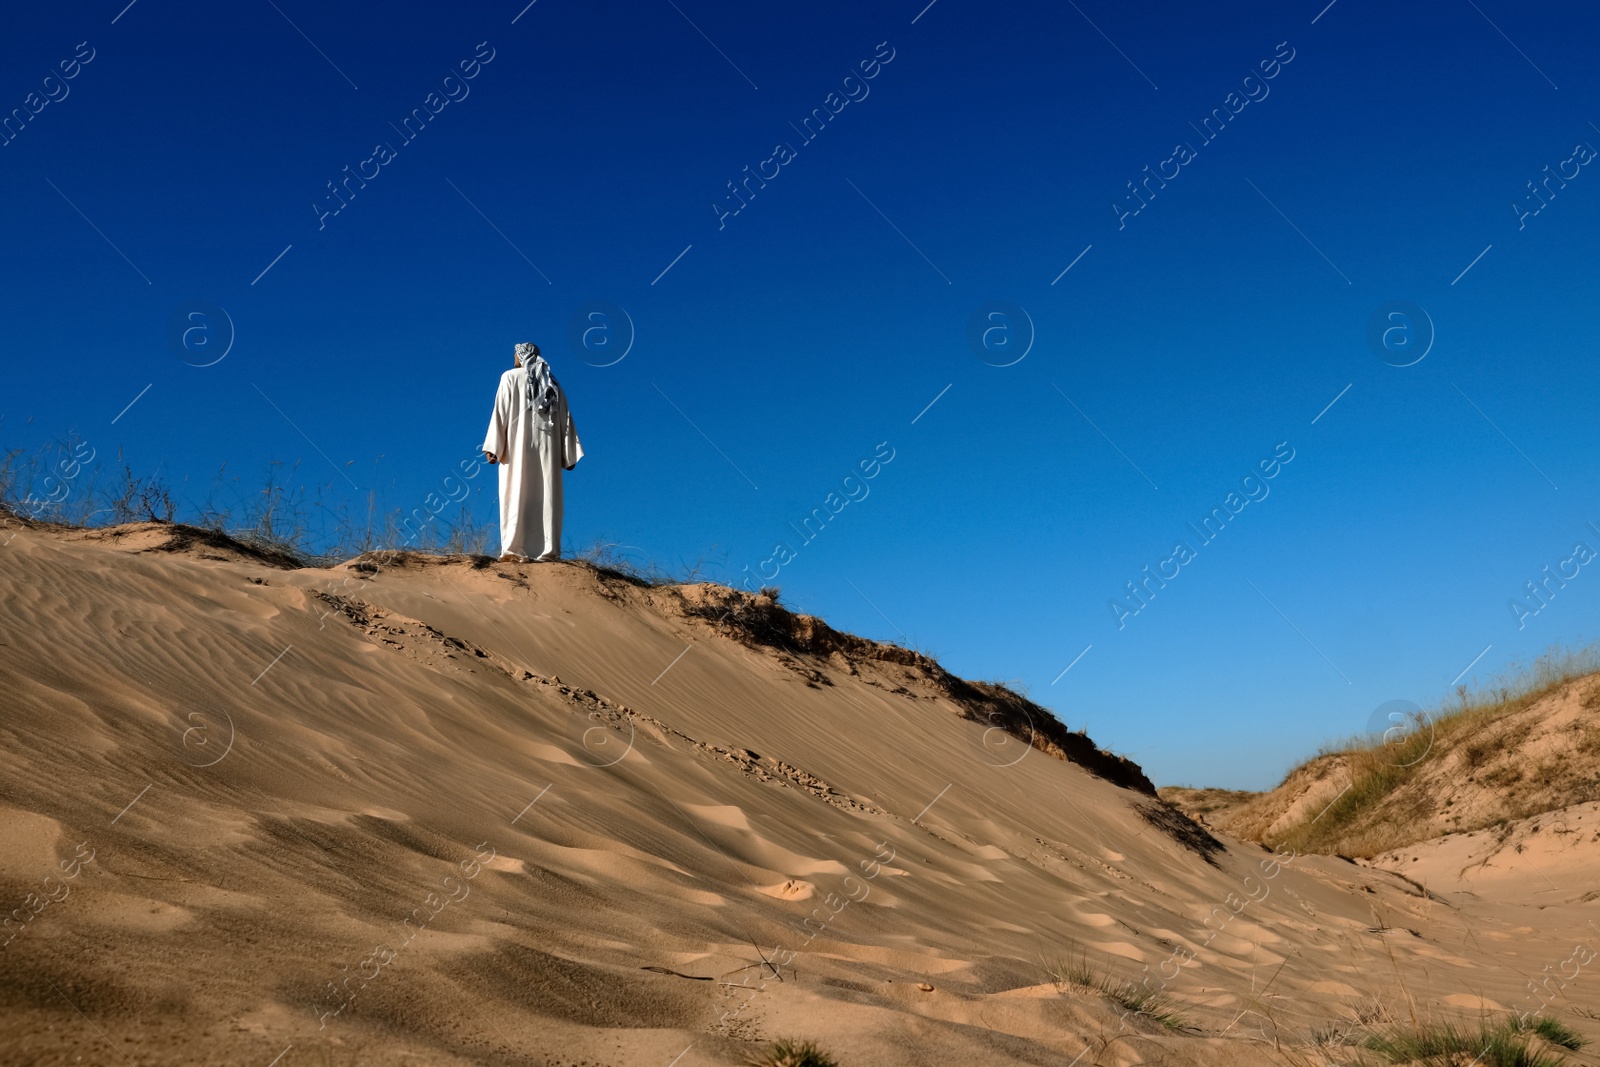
531	459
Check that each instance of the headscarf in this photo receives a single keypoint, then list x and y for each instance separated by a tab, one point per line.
542	387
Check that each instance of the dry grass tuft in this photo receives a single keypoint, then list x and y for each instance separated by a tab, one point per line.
1074	973
786	1053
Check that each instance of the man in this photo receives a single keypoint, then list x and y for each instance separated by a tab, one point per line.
532	438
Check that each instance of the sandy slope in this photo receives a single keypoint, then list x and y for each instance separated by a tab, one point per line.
337	816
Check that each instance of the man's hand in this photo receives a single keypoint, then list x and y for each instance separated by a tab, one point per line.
489	457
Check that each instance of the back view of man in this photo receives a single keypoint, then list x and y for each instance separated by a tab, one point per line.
532	437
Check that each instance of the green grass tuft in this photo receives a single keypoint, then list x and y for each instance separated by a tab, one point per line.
1553	1031
1507	1044
1071	971
1074	972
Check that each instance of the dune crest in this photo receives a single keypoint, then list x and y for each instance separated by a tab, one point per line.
443	810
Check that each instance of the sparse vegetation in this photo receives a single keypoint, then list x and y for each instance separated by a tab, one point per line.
1074	973
1070	973
1510	1043
604	557
1204	801
1141	1001
141	499
1502	777
611	559
1476	753
1334	1037
1375	814
281	513
786	1053
1371	1011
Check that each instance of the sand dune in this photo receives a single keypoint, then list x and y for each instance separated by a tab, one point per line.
1456	773
449	812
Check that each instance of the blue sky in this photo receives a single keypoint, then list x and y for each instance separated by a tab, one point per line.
775	349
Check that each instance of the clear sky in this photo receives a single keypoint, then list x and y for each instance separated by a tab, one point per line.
1310	171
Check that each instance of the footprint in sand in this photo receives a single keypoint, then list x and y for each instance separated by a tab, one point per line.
793	889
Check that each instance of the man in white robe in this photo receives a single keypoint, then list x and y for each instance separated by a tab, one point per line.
532	437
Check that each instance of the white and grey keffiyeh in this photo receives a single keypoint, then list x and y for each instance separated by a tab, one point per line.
542	387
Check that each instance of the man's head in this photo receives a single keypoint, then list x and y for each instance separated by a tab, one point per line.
524	352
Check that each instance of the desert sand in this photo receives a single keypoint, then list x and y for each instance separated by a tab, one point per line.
424	811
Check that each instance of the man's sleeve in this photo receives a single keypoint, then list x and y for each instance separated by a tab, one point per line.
571	449
494	442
